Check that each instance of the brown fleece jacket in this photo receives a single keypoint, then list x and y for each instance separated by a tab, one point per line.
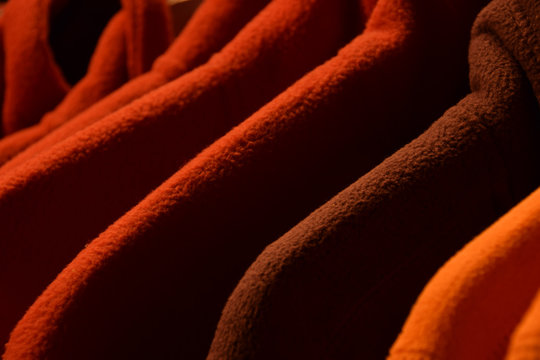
340	284
152	285
212	26
470	307
48	47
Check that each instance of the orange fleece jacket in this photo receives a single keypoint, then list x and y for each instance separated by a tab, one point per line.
525	341
474	302
48	45
340	284
153	284
212	26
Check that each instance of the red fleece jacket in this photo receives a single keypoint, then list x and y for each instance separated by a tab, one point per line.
115	158
213	25
47	46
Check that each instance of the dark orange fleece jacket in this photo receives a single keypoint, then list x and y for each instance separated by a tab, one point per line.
340	284
212	26
48	47
153	283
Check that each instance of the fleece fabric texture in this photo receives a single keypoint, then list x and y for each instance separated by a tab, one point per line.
122	157
340	284
130	43
474	302
525	341
211	27
471	306
200	40
153	284
59	38
2	61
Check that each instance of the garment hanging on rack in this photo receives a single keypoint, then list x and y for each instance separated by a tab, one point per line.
525	340
124	156
72	238
343	280
472	305
136	219
43	59
211	27
194	235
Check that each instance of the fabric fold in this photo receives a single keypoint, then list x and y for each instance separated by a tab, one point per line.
173	259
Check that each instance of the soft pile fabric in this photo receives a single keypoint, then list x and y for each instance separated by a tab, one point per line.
153	284
47	48
525	341
2	61
122	157
474	302
340	284
211	27
64	238
469	309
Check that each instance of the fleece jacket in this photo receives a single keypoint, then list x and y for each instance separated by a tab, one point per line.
471	306
106	168
2	61
214	24
153	284
340	284
525	341
209	29
49	46
474	302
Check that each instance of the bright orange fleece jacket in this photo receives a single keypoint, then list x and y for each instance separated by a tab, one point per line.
525	341
153	284
212	26
475	301
48	46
